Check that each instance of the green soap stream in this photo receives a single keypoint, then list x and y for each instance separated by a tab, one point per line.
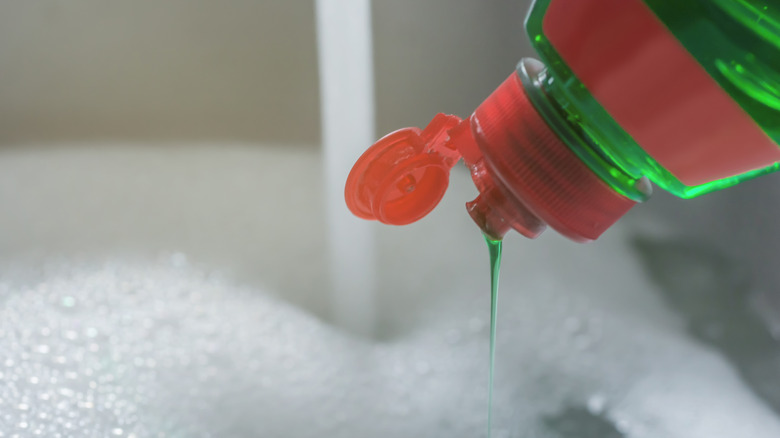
494	249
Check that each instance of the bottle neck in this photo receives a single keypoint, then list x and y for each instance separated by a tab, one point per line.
555	101
526	171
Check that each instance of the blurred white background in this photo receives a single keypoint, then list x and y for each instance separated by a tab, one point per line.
242	70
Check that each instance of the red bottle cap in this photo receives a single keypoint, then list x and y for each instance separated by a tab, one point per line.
404	175
527	177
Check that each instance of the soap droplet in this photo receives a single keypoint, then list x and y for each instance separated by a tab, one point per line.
117	431
43	349
68	302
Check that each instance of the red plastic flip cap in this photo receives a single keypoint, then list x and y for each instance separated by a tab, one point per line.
404	175
527	177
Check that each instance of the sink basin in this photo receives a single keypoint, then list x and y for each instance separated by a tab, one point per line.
177	290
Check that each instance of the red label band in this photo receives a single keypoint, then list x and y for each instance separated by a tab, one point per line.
658	93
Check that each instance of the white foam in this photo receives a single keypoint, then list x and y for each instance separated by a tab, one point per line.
162	350
165	350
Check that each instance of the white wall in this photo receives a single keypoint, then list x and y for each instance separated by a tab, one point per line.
178	69
233	70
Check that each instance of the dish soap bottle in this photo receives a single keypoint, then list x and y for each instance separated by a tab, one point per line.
683	94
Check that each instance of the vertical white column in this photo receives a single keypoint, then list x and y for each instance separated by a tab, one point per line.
347	108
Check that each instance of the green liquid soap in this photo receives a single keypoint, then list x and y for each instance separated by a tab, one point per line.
494	248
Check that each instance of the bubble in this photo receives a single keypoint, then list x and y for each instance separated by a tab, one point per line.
596	404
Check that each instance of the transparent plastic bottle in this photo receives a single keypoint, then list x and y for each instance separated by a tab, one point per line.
685	94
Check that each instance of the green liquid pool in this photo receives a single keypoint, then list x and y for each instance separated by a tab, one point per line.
494	249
